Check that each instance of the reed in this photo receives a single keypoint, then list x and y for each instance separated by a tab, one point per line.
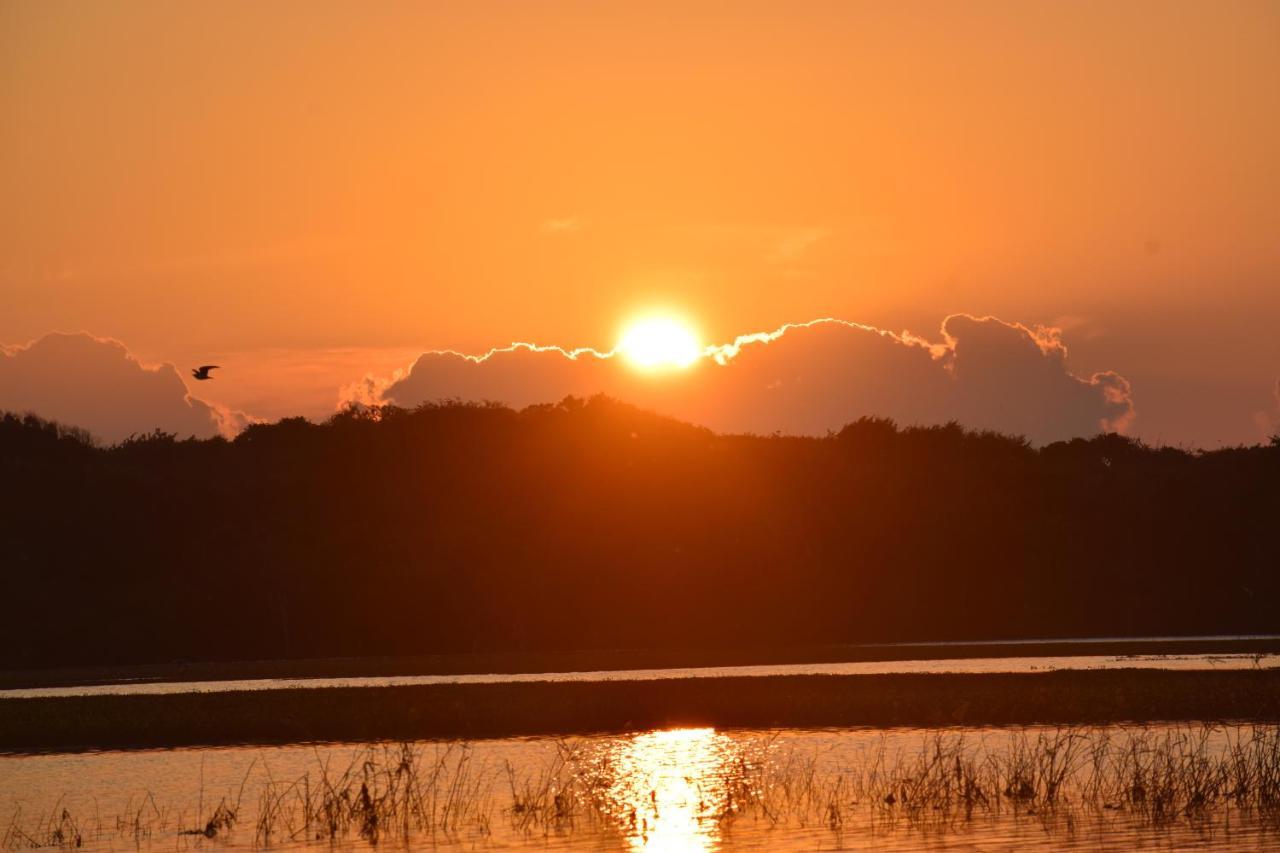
1192	774
1196	776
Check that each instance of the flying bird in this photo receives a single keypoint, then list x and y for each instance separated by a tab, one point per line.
202	373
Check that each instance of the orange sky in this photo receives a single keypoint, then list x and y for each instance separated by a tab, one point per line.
320	190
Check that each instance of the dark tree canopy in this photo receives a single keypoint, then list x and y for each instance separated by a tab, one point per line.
591	524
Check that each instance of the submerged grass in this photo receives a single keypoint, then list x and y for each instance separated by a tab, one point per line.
1195	778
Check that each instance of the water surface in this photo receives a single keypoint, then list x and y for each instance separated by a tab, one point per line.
1115	787
938	666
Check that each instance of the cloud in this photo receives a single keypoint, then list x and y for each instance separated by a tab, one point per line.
795	243
1268	421
368	390
565	225
96	384
808	378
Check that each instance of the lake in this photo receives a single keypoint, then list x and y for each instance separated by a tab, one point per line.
691	789
1121	787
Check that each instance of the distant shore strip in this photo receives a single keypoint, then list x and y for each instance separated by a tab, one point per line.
447	711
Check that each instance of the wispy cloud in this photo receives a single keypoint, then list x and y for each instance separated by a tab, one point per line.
563	225
795	242
1268	420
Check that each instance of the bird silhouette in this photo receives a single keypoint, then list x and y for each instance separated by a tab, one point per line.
202	373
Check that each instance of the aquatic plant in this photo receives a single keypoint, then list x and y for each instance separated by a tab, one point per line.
1199	778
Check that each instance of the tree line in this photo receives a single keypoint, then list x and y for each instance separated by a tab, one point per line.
590	524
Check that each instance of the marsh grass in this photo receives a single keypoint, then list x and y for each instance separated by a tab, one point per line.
386	793
1193	777
1067	780
57	829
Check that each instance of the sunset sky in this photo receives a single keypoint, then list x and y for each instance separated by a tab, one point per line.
311	193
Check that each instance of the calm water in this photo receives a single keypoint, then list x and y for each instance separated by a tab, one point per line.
1116	787
956	665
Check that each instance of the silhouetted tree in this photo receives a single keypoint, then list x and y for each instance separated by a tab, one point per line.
592	524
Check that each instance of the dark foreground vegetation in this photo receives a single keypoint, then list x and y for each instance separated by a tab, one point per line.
589	524
550	708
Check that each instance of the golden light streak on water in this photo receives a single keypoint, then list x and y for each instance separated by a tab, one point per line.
669	790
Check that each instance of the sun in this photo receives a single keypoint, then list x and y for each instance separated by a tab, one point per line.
658	343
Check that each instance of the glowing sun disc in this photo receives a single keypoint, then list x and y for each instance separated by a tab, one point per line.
659	342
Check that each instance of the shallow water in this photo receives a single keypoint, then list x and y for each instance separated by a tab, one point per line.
679	789
939	666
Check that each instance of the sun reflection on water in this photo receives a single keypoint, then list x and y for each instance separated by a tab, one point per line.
669	789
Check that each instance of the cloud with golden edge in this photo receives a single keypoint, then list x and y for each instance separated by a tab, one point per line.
805	378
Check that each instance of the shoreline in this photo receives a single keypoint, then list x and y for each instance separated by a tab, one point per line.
521	663
474	711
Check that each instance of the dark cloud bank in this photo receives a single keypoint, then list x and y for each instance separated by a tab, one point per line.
94	383
809	378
